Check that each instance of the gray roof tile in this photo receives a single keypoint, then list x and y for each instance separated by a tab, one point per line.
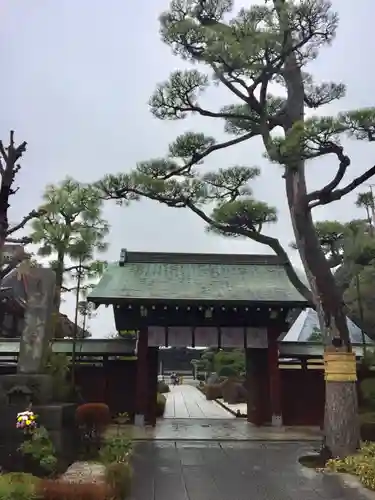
200	277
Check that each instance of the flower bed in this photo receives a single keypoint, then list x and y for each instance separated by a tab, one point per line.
362	465
107	476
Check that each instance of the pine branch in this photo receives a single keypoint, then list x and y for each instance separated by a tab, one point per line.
337	194
78	267
322	194
25	240
273	243
197	157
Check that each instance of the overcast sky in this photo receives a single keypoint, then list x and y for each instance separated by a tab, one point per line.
76	77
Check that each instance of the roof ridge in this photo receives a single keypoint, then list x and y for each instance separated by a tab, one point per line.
199	258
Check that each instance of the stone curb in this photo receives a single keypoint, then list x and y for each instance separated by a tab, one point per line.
349	481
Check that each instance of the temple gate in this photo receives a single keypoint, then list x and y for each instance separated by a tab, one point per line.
183	300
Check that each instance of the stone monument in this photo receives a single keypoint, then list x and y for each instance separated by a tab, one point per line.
39	289
29	385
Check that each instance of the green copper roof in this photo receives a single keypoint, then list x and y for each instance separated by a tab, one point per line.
195	277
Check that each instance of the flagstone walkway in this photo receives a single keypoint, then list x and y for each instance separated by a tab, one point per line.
186	401
231	471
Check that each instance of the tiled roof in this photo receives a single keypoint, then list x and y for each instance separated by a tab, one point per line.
307	321
196	277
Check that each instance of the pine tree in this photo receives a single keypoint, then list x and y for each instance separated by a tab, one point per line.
265	44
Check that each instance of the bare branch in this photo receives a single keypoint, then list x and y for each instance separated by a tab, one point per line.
32	215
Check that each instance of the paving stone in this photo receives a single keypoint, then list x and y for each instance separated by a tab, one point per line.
84	472
186	401
255	470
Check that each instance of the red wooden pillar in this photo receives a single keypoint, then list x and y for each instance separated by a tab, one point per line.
274	377
152	364
142	383
256	374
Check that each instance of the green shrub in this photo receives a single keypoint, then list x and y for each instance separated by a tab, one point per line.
118	477
18	486
367	388
122	418
361	465
58	366
41	449
228	371
161	401
163	387
115	449
367	425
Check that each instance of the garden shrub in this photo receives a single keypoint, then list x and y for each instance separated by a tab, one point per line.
228	371
58	366
367	388
115	449
163	387
93	420
361	465
122	418
233	392
60	490
213	391
367	425
161	401
118	476
18	486
93	415
40	448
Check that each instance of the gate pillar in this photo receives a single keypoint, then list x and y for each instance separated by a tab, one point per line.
274	377
256	381
142	380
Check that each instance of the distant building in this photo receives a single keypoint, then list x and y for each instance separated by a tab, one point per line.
307	324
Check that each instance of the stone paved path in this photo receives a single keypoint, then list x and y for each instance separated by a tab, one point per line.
231	471
196	429
185	401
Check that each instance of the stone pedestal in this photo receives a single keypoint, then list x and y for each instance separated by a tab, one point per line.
58	419
39	387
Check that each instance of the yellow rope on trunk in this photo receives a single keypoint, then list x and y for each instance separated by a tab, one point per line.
340	367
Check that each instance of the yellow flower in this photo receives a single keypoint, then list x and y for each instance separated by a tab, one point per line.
28	422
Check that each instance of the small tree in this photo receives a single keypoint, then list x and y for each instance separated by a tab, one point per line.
366	201
71	229
316	335
86	310
262	45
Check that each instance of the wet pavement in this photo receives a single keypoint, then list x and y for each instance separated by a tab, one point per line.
186	401
231	471
235	429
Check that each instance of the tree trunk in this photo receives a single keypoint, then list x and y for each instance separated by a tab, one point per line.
59	280
341	426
